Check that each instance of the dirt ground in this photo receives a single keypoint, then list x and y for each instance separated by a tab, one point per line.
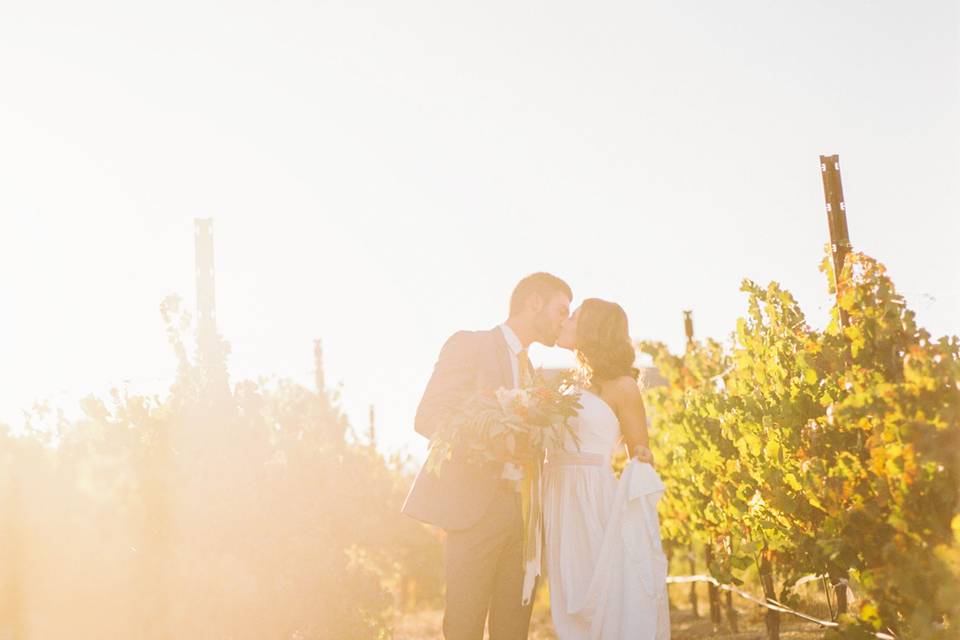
424	625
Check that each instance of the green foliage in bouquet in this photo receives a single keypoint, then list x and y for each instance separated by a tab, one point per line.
495	425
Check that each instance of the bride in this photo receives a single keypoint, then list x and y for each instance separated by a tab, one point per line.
605	564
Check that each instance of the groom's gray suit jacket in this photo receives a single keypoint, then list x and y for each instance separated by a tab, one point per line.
461	494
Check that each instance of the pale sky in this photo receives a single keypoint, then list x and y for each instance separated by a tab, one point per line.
380	174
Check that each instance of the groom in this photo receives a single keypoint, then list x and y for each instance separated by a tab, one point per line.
479	506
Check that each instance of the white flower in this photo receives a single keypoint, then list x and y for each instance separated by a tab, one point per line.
512	472
507	397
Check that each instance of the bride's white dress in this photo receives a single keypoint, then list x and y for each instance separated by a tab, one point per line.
605	563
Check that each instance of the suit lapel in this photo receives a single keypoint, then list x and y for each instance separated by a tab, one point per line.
503	358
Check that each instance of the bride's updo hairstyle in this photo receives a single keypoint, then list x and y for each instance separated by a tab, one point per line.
604	348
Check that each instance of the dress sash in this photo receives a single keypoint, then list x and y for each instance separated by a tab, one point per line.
567	458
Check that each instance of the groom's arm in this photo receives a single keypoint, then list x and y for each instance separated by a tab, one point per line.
454	376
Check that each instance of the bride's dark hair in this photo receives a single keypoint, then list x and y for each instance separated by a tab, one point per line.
604	348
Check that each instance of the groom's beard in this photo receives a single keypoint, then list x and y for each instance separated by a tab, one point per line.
546	334
548	338
546	328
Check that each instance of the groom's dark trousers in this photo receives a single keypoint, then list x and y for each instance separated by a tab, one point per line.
479	511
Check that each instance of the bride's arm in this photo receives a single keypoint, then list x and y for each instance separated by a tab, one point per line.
633	419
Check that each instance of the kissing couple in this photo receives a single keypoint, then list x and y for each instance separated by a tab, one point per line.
603	557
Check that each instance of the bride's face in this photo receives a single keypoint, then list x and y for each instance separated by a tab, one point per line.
568	332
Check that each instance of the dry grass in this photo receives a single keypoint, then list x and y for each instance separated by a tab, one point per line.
424	625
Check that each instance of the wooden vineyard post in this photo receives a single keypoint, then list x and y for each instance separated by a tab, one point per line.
668	549
211	350
731	613
836	220
839	247
712	591
319	379
713	594
694	602
728	607
838	584
772	618
206	298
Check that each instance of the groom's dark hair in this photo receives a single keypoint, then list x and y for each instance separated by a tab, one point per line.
545	285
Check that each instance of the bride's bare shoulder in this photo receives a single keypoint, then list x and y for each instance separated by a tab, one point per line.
625	389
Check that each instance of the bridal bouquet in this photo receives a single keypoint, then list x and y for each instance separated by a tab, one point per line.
493	426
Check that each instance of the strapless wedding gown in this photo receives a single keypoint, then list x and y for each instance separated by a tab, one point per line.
605	563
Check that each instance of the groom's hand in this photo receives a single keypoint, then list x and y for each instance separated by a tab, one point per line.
524	453
521	452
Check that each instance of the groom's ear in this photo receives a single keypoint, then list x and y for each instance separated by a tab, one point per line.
536	303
